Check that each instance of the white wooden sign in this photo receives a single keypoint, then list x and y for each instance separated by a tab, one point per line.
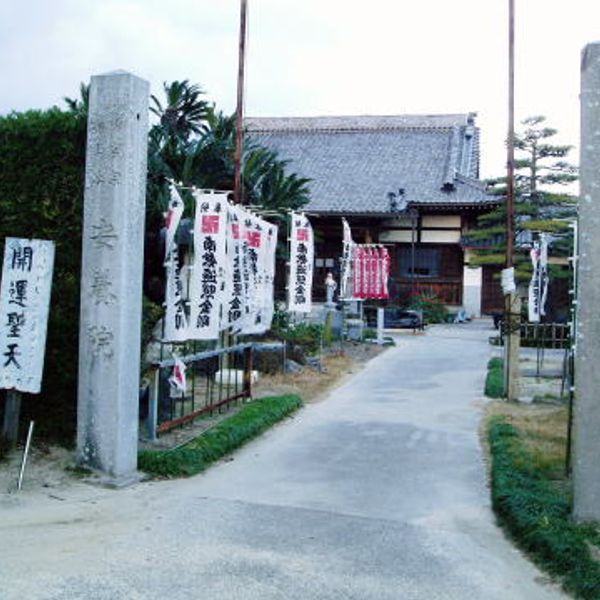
24	303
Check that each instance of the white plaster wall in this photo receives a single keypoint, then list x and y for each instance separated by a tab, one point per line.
440	237
472	278
446	221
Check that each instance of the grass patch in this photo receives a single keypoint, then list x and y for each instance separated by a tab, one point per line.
215	443
532	498
494	381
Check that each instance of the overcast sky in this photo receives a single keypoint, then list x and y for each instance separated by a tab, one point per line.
312	57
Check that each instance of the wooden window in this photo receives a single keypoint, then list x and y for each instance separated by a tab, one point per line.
427	262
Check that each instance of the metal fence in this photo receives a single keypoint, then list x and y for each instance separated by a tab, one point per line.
216	379
545	335
541	335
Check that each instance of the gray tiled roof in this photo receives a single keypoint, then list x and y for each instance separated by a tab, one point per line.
354	162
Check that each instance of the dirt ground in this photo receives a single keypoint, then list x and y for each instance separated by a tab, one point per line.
312	384
51	469
542	413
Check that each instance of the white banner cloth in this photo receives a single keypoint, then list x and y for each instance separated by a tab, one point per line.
302	252
538	286
349	247
176	323
207	283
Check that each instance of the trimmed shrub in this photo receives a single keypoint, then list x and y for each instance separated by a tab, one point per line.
215	443
494	381
537	513
42	162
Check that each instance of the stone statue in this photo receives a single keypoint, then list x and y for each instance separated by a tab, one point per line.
330	287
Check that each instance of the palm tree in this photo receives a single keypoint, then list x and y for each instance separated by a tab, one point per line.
184	112
80	105
194	143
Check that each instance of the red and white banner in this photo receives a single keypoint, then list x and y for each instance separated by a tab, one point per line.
371	267
258	274
235	298
207	283
232	271
176	323
302	252
178	379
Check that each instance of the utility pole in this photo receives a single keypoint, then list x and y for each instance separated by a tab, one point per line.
227	339
239	132
512	318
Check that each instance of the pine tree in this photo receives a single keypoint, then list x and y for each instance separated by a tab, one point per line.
541	204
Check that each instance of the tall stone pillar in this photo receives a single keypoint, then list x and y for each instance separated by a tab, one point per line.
586	445
111	282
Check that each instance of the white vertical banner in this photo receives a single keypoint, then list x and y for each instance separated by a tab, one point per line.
302	252
538	286
544	276
207	284
253	243
24	303
346	288
247	275
254	261
385	272
261	302
233	309
269	255
176	323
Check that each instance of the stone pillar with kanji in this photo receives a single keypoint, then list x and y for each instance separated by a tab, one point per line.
111	280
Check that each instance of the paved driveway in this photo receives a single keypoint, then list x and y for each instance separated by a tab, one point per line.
378	492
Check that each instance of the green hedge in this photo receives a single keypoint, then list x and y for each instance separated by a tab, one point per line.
537	513
215	443
494	381
42	165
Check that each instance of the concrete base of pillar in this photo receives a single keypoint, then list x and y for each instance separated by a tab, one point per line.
117	483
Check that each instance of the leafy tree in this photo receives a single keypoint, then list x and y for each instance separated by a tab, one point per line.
541	204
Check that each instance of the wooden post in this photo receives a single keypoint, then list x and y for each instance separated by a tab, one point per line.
12	410
512	301
512	346
239	118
